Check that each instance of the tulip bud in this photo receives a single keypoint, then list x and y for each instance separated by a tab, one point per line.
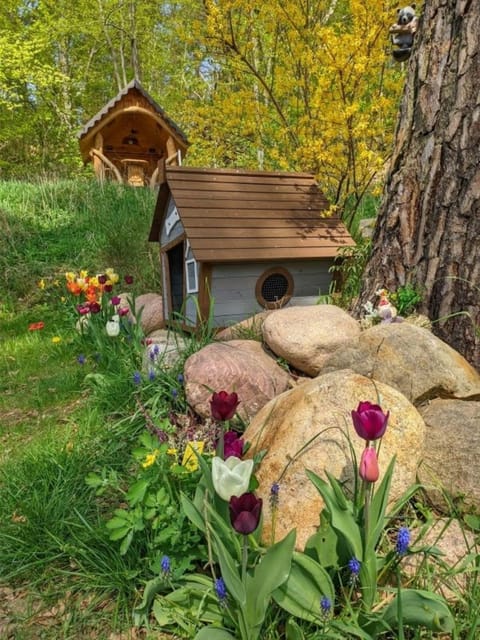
368	469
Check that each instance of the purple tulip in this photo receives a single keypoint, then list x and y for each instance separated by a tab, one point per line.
245	512
368	469
128	279
232	445
369	421
115	300
223	405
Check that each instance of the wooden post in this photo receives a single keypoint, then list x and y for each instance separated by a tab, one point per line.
98	165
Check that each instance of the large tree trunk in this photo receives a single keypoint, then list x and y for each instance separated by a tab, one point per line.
428	229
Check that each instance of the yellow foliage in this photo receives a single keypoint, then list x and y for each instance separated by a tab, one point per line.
310	84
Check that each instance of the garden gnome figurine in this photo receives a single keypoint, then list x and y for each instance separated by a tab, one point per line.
385	309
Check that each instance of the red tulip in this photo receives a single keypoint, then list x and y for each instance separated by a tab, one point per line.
223	405
232	445
368	469
369	421
35	326
245	513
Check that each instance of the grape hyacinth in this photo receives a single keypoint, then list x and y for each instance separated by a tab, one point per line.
325	606
165	566
221	591
354	566
403	540
274	491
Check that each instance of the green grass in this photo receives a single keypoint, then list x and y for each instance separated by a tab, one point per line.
53	544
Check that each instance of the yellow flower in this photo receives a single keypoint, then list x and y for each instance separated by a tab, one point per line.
56	339
172	451
70	276
83	273
150	459
190	460
112	276
41	284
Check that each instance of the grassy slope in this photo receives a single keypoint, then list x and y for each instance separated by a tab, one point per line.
50	437
47	229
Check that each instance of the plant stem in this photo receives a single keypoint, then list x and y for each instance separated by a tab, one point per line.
244	559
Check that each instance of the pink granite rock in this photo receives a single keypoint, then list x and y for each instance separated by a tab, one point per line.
238	365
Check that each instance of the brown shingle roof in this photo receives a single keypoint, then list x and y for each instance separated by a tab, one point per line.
236	215
133	85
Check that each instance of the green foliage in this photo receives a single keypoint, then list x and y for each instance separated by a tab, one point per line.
348	270
406	298
152	516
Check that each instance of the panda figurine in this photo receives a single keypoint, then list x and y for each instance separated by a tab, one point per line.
402	33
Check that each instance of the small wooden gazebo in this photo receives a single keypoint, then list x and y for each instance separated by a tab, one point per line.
131	138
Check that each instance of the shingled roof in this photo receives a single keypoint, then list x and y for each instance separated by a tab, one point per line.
232	215
135	85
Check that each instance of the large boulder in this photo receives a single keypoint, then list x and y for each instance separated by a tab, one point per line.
162	350
409	358
305	428
238	365
306	336
149	307
248	329
451	461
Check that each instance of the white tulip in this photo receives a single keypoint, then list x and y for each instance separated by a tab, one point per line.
113	327
231	477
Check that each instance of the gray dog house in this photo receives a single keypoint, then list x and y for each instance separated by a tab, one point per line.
242	241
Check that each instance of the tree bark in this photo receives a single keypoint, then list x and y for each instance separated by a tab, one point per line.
428	228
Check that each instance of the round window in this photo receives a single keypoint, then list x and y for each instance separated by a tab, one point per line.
274	288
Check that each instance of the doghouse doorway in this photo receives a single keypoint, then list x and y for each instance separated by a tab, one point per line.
175	269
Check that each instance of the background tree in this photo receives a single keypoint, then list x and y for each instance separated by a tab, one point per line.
309	84
428	229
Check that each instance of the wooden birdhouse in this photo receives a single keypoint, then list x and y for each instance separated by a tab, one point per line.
130	138
237	242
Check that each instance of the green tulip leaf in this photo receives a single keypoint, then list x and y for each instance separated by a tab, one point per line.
323	544
305	586
270	573
229	570
192	513
378	507
342	518
419	609
214	633
293	631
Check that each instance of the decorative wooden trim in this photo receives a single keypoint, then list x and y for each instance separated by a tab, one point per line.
173	243
98	154
277	304
204	290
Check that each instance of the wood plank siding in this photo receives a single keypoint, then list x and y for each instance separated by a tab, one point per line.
231	215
